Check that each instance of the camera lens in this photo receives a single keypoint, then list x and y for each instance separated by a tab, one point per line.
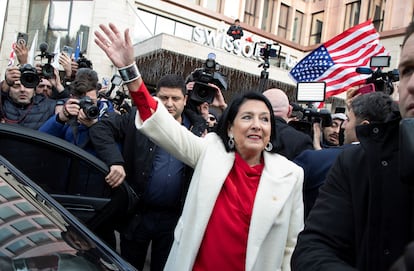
90	109
29	77
92	112
47	71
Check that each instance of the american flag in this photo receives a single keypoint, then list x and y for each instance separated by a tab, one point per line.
335	61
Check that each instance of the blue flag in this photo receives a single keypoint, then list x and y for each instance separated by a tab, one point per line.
78	47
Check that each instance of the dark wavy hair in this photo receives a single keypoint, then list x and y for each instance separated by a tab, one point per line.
230	114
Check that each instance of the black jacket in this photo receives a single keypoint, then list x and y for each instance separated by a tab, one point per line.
291	142
362	217
31	116
118	142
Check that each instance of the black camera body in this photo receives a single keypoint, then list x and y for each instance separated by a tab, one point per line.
201	77
383	81
29	77
90	109
318	115
48	71
311	115
83	62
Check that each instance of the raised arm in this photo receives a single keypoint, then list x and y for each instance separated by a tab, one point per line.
120	51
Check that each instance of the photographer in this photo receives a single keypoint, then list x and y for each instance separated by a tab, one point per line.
80	111
19	104
204	88
235	30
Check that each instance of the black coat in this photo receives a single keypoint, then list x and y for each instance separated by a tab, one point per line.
118	142
362	217
291	142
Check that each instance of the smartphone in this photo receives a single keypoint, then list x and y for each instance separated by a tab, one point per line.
68	50
367	88
22	38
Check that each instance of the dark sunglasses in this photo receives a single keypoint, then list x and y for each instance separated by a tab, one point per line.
212	118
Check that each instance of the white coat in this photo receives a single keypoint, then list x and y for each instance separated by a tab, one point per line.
277	216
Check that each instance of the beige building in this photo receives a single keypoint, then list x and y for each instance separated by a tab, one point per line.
176	36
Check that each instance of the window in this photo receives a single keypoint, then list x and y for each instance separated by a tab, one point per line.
316	28
214	5
67	19
352	11
250	12
376	13
268	20
283	29
149	24
297	27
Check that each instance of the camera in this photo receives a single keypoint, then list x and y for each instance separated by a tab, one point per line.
309	116
83	62
202	92
90	109
383	81
29	77
48	71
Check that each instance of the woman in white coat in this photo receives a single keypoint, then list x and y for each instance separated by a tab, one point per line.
244	209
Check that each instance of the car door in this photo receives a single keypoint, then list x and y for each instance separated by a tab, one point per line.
72	176
36	233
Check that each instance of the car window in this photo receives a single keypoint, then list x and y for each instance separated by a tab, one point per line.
56	165
37	233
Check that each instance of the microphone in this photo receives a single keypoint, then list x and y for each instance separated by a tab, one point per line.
43	47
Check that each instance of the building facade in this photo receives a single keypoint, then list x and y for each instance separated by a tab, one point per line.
176	36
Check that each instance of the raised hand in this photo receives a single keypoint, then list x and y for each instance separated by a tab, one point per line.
120	51
117	47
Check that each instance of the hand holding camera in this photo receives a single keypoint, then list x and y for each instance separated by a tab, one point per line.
83	109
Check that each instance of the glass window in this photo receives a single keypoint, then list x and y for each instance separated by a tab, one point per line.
213	5
59	15
164	25
298	27
250	12
183	30
67	19
283	29
268	12
148	24
316	28
144	25
352	14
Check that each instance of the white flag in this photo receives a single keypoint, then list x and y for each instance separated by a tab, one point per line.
56	53
32	51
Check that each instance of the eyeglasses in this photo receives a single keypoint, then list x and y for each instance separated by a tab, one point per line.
46	86
212	118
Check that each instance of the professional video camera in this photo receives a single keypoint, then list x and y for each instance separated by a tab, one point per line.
83	62
119	99
202	92
265	51
29	77
90	109
310	92
383	81
47	69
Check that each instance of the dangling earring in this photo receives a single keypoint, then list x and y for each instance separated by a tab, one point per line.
230	143
269	146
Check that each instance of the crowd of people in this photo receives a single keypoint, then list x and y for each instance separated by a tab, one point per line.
232	185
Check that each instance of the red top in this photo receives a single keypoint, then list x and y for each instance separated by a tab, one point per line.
225	239
144	101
